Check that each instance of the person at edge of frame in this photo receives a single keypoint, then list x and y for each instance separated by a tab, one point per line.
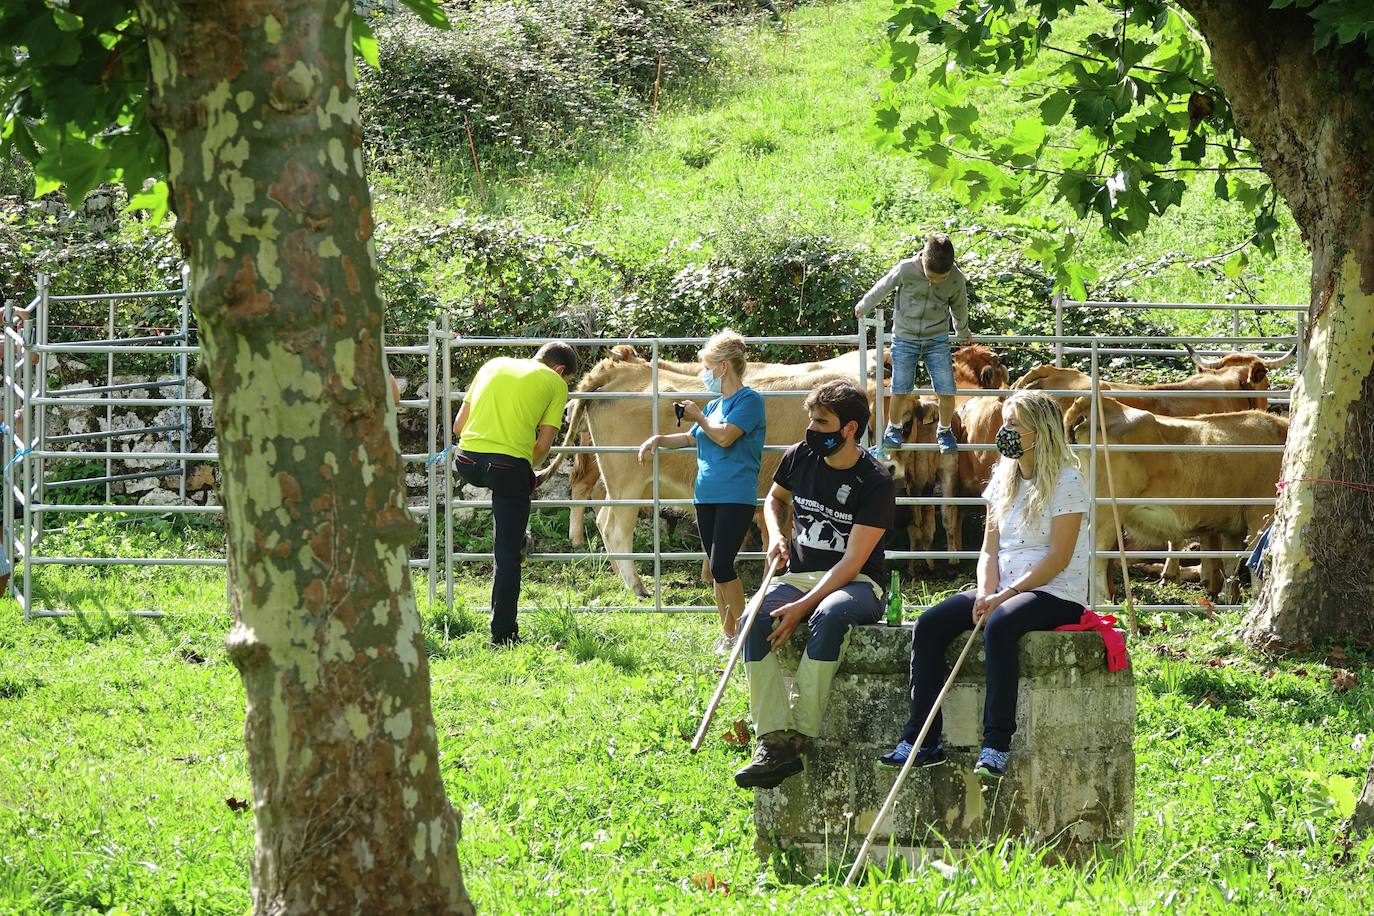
842	501
505	428
1032	575
728	434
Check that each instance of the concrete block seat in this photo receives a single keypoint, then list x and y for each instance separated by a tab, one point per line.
1070	785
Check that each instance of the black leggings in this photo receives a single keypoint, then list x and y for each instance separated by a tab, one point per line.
723	527
1002	633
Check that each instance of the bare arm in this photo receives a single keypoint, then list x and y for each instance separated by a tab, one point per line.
462	419
664	440
543	441
988	576
775	510
722	434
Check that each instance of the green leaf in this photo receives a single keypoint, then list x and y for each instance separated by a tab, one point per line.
67	21
365	42
1053	108
1222	189
1027	134
78	165
431	12
154	200
1154	145
1235	265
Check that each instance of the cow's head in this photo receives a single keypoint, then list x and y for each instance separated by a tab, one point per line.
1047	377
1252	371
983	366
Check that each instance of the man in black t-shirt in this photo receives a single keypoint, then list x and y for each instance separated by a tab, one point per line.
842	503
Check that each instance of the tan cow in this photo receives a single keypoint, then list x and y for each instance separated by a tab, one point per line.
976	420
1232	372
1184	475
628	422
584	480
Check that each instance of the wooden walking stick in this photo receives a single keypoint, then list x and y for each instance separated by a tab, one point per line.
911	759
1116	517
750	612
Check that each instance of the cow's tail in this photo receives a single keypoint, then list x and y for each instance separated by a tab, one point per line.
596	377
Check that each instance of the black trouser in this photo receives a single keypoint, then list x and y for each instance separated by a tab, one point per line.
1002	633
510	480
723	527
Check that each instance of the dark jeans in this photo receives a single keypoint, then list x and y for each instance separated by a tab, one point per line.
510	480
1002	633
723	527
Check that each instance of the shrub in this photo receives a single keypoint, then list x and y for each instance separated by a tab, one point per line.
540	75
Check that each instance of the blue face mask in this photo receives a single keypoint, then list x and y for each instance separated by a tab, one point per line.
708	378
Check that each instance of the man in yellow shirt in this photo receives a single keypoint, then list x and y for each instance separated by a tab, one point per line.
505	428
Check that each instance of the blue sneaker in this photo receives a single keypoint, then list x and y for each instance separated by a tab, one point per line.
945	436
892	436
991	763
925	757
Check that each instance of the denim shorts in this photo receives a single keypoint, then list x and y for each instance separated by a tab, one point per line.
933	351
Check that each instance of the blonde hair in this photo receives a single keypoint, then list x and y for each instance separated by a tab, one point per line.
1036	412
726	346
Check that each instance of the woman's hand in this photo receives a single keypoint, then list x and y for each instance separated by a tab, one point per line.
692	411
649	447
980	609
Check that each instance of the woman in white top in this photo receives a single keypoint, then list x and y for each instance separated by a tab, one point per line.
1032	575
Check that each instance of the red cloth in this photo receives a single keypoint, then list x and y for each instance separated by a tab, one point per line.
1114	639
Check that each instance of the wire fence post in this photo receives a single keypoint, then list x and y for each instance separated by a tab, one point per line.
1092	479
7	443
880	392
182	361
436	445
658	553
26	425
1058	302
447	433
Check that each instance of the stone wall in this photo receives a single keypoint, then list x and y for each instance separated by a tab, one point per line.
1070	785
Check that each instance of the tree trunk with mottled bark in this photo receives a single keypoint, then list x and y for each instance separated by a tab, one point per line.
255	100
1308	114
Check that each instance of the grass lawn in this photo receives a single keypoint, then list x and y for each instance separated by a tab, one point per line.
783	136
567	757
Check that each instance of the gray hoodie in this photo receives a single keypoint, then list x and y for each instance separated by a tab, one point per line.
923	309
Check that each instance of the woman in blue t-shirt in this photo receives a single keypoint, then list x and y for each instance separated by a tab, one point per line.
728	435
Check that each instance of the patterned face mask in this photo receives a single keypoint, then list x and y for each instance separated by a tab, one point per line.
824	444
1009	443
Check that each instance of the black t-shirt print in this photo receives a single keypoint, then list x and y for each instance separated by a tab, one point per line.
826	505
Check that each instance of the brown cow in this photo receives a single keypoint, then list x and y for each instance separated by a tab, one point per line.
628	422
1184	475
1232	372
920	472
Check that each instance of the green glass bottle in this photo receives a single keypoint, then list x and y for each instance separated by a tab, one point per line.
894	602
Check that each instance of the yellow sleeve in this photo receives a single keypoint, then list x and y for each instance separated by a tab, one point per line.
553	416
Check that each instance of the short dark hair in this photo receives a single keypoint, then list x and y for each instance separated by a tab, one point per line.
938	255
844	400
558	353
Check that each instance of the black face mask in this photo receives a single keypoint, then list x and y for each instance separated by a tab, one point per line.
824	444
1009	443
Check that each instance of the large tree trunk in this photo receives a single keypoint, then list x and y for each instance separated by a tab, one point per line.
255	99
1308	115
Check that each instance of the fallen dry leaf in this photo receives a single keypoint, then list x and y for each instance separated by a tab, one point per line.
1208	607
236	804
1207	700
1342	680
191	656
1217	663
1337	654
709	882
737	733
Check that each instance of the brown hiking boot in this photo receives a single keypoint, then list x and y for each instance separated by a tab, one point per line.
776	757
